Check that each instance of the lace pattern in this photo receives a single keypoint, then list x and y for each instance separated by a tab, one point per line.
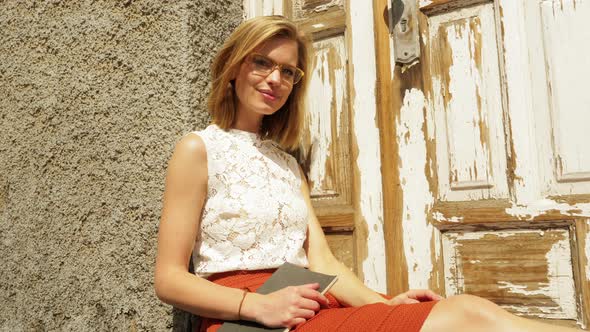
254	216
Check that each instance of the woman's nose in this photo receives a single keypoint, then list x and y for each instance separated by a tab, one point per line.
274	76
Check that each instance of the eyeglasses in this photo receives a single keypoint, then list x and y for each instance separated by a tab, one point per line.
263	66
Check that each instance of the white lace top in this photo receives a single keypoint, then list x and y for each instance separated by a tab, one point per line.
254	215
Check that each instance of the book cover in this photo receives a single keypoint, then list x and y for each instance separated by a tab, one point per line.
286	275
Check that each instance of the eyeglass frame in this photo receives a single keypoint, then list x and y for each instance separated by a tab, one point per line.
274	67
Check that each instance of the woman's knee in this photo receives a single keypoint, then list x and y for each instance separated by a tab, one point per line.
464	312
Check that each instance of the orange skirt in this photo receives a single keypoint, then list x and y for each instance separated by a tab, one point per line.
370	317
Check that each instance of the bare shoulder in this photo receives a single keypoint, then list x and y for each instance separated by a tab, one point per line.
189	159
191	145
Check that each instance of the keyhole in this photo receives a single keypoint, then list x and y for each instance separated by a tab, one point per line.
404	24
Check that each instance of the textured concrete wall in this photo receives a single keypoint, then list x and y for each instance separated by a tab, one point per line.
93	96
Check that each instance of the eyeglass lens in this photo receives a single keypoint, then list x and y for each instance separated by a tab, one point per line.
264	66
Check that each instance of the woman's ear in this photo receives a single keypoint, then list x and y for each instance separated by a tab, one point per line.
234	74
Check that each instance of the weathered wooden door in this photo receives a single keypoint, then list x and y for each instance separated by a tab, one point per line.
486	165
326	150
340	150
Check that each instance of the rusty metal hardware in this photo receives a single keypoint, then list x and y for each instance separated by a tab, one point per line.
403	27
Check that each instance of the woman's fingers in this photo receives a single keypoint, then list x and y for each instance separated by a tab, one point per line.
297	322
292	305
304	313
435	296
410	301
415	296
403	299
423	294
312	294
309	304
304	310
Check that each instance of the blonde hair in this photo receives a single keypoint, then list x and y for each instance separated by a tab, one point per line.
285	125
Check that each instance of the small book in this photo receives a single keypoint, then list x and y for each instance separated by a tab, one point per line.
286	275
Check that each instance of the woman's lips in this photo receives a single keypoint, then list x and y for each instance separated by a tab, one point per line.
268	95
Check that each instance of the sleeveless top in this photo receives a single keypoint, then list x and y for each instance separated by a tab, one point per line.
254	216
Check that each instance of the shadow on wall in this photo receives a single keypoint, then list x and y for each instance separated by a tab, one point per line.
184	321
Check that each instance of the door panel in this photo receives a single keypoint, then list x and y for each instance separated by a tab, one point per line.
467	112
565	27
325	142
325	151
344	179
488	129
342	245
524	271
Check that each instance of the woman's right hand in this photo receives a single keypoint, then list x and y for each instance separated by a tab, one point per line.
286	307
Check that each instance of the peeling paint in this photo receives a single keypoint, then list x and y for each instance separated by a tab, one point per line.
415	187
479	135
466	111
326	96
438	216
424	3
561	281
469	235
254	8
476	262
525	166
305	8
543	206
323	8
367	137
566	67
407	67
464	84
560	285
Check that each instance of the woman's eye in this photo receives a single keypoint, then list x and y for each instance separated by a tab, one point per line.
289	72
262	62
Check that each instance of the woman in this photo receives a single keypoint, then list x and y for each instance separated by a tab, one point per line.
241	206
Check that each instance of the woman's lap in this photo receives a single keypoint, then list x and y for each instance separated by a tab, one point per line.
371	317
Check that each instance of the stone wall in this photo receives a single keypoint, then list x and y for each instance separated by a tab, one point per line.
93	97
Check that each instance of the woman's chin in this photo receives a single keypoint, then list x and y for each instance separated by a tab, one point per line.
267	110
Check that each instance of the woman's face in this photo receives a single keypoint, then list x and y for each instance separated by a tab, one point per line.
259	94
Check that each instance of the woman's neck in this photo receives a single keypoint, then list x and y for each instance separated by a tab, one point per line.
250	123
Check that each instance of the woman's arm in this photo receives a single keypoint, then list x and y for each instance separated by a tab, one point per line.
184	196
349	290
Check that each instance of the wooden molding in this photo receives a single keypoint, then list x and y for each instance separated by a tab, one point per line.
388	107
